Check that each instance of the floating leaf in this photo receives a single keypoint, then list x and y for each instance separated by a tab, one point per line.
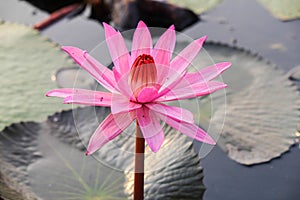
173	172
294	74
283	10
74	77
198	6
262	110
7	193
48	160
46	168
261	114
28	61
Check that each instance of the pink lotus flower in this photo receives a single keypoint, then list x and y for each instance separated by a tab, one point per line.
139	84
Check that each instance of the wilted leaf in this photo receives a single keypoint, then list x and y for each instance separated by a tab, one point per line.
126	14
123	14
52	5
283	10
28	61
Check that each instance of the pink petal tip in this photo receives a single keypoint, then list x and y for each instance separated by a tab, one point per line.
155	150
201	40
109	30
225	65
105	24
141	24
209	140
50	93
172	27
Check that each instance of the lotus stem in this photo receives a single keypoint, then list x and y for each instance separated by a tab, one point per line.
57	15
138	193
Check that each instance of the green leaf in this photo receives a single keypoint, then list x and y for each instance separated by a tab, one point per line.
47	160
255	120
283	10
28	61
174	172
198	6
42	167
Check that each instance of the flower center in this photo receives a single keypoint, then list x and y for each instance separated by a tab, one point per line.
142	73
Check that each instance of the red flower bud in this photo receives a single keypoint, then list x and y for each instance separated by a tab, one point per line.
142	73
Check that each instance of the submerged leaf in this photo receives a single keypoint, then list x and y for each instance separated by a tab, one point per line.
283	10
28	61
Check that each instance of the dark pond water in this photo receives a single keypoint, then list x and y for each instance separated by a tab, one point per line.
243	23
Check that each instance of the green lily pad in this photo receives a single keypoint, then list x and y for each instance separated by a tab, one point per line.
283	10
257	118
198	6
46	160
28	61
36	164
174	171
